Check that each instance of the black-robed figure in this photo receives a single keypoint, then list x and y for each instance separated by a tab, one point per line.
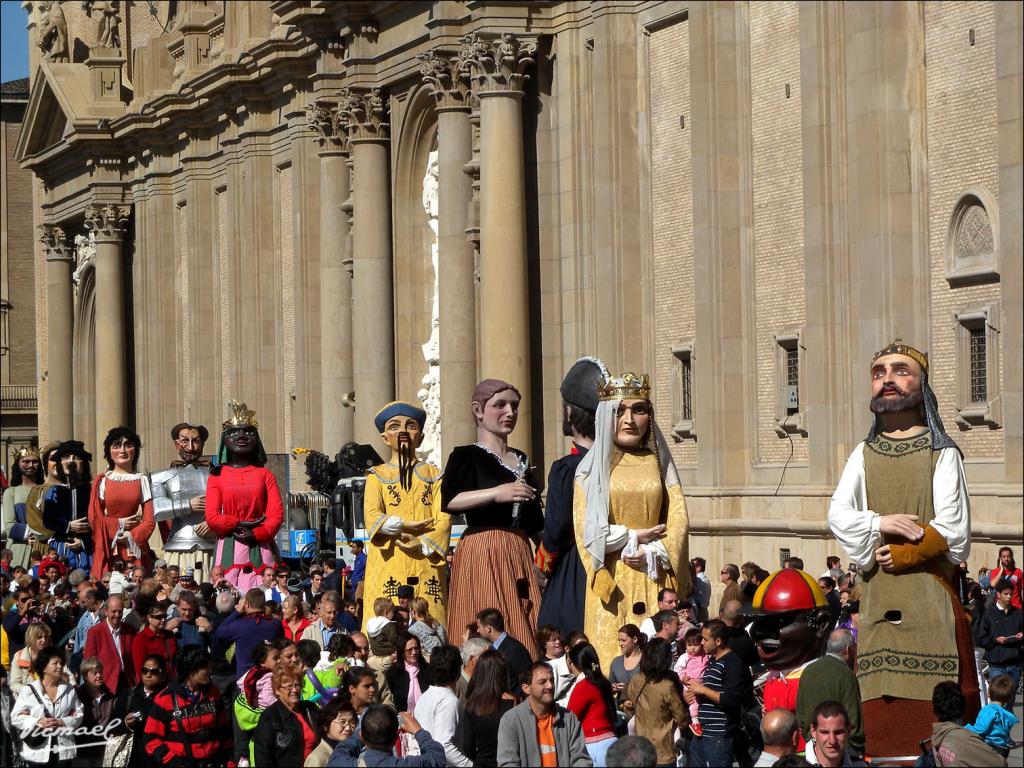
558	557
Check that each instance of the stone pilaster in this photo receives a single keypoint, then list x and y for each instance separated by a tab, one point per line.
1009	82
335	283
60	265
723	250
498	70
456	282
108	224
373	322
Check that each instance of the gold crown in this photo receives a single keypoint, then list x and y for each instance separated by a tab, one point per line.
897	347
241	416
628	386
26	452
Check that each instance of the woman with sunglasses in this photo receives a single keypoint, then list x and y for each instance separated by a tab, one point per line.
133	710
154	639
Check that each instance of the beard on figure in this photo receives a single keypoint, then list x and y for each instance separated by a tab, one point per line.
406	460
906	402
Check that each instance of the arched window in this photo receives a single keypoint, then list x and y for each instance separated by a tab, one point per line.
972	241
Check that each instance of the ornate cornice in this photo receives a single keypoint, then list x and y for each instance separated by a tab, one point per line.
329	124
364	114
55	242
448	83
107	222
497	66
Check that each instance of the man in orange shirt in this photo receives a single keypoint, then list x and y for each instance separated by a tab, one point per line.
538	731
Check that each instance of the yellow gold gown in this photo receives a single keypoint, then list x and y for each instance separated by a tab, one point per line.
637	501
420	562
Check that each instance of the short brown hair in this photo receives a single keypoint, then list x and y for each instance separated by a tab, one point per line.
1001	688
284	674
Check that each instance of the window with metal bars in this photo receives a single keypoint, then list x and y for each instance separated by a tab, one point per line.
978	365
686	388
793	376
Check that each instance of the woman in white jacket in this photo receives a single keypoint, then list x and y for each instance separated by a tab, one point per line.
50	708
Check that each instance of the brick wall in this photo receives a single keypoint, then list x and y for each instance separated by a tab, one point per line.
778	207
672	216
962	152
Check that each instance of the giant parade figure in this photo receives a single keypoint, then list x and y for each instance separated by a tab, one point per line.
629	515
243	503
492	485
408	532
902	513
179	502
66	506
557	556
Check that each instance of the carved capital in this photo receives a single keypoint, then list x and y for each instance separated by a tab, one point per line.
108	222
364	114
449	85
55	242
326	120
497	66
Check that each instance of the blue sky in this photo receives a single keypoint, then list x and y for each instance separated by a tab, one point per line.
13	41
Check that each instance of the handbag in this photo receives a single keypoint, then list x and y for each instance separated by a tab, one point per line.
118	751
35	739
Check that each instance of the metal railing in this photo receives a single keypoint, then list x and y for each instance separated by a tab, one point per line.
18	397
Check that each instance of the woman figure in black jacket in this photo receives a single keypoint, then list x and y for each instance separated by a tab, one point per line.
133	709
487	699
285	734
409	677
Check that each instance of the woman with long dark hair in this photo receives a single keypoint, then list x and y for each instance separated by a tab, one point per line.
26	473
409	677
623	667
121	505
592	701
656	698
486	701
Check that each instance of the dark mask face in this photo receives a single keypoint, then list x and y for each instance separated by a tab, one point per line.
787	640
241	442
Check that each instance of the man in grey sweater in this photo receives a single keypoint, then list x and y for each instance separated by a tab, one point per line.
538	732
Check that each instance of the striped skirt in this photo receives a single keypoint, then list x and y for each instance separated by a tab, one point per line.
493	568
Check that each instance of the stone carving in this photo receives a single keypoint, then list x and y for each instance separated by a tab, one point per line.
85	248
55	242
450	86
974	236
430	393
53	33
363	113
105	16
497	66
107	223
327	121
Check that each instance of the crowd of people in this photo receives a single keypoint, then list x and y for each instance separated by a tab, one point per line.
149	620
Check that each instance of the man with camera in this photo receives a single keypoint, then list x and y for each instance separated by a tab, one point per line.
26	612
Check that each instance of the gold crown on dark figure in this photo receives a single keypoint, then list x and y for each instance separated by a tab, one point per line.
241	416
897	347
26	452
628	386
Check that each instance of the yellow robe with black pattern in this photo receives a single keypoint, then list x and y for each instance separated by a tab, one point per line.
389	566
618	594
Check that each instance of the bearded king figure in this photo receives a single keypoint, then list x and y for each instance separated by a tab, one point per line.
407	531
902	513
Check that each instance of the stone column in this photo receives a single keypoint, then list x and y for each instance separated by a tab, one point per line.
498	70
373	317
335	285
108	223
456	281
60	264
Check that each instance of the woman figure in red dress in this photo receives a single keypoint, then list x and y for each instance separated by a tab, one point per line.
243	503
121	505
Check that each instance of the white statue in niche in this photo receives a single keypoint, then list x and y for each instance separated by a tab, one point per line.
430	393
85	252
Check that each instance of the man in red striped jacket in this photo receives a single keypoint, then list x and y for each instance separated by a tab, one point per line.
189	722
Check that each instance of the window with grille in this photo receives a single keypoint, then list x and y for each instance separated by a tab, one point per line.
793	378
789	419
978	365
686	388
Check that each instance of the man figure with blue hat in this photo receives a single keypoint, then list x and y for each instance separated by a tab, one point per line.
407	531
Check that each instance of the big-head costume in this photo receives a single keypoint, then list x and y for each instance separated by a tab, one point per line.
913	631
396	496
619	492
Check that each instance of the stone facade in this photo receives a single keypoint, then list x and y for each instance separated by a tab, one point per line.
18	373
745	199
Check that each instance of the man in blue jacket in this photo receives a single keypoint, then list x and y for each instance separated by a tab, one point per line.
247	627
378	731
